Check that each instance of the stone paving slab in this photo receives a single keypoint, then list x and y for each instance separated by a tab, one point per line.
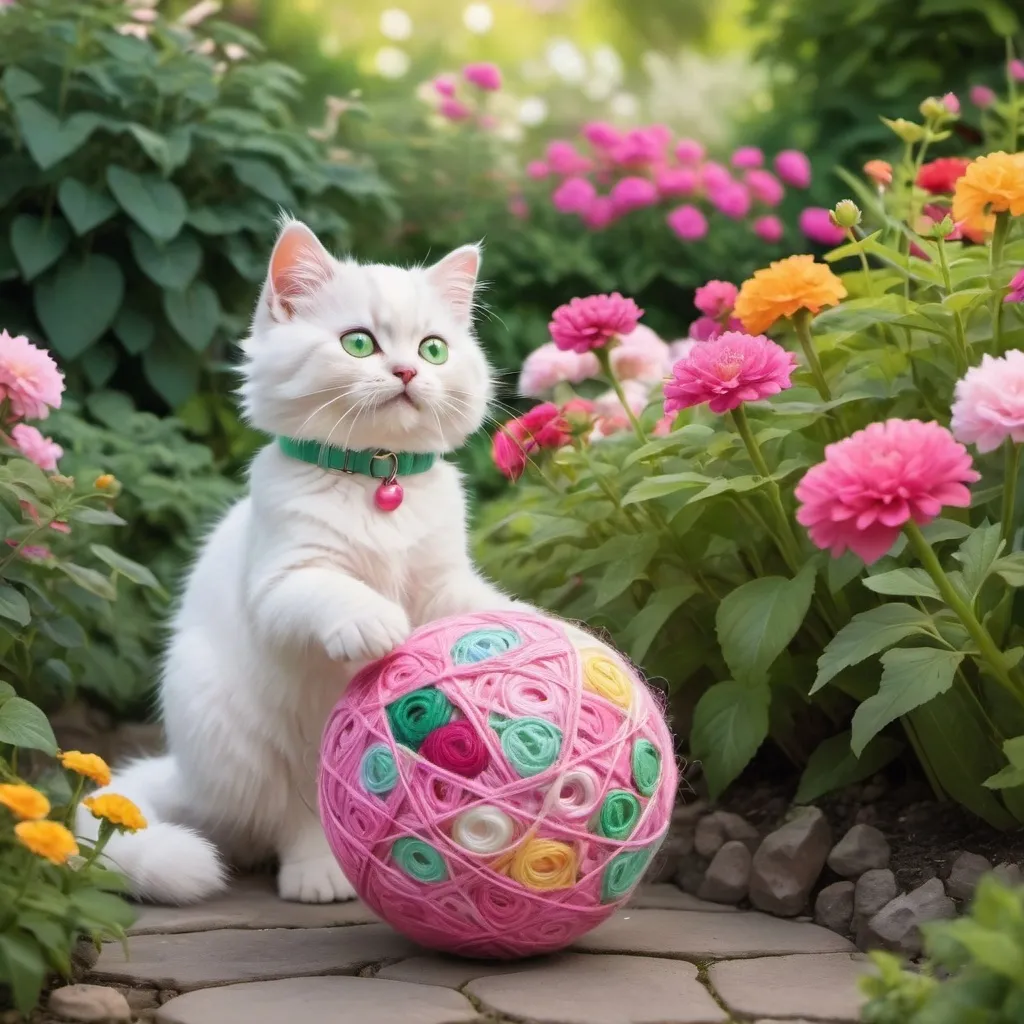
601	990
706	936
662	896
225	957
824	987
319	1001
453	972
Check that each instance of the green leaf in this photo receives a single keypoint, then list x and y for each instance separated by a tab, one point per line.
263	178
96	516
103	909
156	205
6	691
667	483
90	580
125	566
194	313
63	631
37	245
18	83
173	374
172	265
977	555
866	634
756	622
910	677
49	140
23	969
134	330
84	207
22	724
78	302
646	624
13	605
1013	774
834	765
903	583
990	949
623	571
730	722
945	529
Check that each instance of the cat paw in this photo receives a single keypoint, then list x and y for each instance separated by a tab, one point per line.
318	880
368	638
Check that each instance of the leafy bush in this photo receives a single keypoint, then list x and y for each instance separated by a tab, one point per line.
143	163
973	971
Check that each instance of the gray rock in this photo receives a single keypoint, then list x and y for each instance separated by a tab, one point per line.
728	875
89	1003
788	863
716	829
967	869
690	874
84	956
895	926
833	909
688	814
862	849
873	891
1008	874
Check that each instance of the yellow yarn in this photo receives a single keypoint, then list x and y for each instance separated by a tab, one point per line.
543	864
603	676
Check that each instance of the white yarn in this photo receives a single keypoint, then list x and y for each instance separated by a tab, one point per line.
577	793
483	830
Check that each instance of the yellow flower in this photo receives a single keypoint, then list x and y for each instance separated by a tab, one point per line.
92	766
544	864
118	810
784	288
25	802
49	839
105	481
992	184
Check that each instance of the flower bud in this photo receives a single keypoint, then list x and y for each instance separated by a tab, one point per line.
846	214
63	481
908	131
105	482
945	227
933	109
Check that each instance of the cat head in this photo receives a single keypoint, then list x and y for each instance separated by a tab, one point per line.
365	355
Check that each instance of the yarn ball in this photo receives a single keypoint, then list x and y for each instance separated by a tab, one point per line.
497	785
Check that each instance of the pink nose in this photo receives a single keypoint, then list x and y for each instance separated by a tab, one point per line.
406	373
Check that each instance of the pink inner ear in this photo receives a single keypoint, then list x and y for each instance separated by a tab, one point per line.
455	277
298	264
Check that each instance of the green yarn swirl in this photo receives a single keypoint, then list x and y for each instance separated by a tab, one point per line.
378	770
419	860
482	644
414	716
530	744
620	813
646	767
623	872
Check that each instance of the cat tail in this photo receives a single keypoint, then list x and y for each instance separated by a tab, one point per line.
165	862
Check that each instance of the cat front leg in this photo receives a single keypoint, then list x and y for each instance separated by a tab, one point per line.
459	589
309	872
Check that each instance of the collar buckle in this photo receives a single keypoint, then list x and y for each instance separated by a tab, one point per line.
383	453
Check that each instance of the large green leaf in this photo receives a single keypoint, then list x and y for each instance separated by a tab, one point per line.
49	140
910	677
647	623
125	566
23	967
38	244
1011	568
84	207
171	265
13	605
903	583
173	373
18	83
1013	774
730	722
134	330
154	203
621	573
977	555
194	313
834	765
78	302
90	580
263	178
22	724
667	483
756	622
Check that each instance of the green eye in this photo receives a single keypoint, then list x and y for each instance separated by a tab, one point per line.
434	350
358	344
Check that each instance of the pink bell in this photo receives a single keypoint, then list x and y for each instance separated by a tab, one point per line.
388	495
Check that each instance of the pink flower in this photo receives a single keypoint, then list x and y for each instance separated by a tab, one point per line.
988	406
688	223
30	552
574	195
640	355
714	175
548	366
589	323
704	329
29	378
768	229
1016	69
599	214
680	349
484	76
878	479
542	427
38	449
689	151
538	170
444	86
982	96
1016	292
641	146
748	156
601	135
716	299
454	110
951	102
563	158
610	415
632	194
816	224
663	427
519	208
793	168
764	187
733	200
675	181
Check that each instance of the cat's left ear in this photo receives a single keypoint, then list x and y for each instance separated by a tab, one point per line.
455	278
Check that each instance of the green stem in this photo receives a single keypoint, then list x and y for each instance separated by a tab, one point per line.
1011	466
69	815
605	359
802	324
987	648
864	267
995	265
961	354
1012	90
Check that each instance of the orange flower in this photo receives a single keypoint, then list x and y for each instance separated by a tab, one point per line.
92	766
118	810
24	802
992	184
784	288
879	171
49	839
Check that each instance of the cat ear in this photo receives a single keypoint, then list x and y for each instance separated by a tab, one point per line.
455	278
299	265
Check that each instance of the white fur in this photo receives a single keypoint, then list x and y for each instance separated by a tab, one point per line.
304	580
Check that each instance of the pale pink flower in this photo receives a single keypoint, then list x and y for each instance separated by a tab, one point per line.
1016	292
715	175
878	479
951	102
793	168
988	405
563	158
198	13
689	151
537	170
764	187
519	208
30	552
591	322
145	15
43	451
982	96
816	224
768	228
454	109
599	214
444	85
633	194
548	366
235	51
688	223
663	427
1016	69
484	76
601	135
29	378
640	355
716	298
574	195
732	199
729	370
675	181
680	349
134	29
610	416
748	156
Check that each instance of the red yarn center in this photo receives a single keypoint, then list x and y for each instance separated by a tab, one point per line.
457	747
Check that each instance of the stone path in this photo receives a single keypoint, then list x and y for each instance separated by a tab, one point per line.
249	958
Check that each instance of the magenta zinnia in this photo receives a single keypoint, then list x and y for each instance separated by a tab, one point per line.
727	371
585	324
878	479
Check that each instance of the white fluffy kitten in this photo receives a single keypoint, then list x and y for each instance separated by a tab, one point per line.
306	579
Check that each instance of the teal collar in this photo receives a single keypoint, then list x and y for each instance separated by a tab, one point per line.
373	462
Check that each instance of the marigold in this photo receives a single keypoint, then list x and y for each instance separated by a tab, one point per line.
991	184
118	810
49	839
784	288
92	766
24	802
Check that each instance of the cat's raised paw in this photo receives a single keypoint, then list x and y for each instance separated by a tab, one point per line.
318	880
371	637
